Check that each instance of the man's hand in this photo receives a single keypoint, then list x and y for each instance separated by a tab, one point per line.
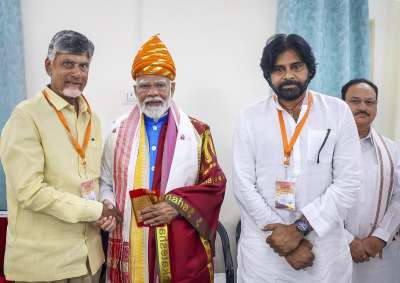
373	246
357	251
284	238
301	257
158	214
110	210
107	223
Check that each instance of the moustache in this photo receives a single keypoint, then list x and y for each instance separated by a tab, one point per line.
290	82
361	112
155	99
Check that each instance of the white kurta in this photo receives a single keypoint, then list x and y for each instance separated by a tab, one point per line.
324	191
361	217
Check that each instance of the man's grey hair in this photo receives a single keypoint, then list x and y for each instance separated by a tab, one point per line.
69	41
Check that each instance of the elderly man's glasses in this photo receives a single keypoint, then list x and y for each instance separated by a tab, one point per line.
161	86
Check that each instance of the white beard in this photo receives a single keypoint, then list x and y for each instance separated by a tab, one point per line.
155	112
72	92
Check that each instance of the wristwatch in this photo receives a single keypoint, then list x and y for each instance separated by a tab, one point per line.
302	226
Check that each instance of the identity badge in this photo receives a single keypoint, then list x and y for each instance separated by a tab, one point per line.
285	195
88	190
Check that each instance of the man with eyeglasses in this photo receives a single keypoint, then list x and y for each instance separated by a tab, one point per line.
372	223
295	174
160	168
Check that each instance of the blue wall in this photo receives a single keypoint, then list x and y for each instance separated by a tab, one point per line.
338	32
12	74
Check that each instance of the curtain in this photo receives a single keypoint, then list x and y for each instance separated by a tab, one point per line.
338	32
12	75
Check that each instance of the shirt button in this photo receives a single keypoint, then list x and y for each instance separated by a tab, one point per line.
154	128
153	148
152	168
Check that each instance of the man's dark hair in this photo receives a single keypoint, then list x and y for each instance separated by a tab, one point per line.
279	43
358	81
69	41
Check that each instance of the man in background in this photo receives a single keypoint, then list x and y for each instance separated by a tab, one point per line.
372	223
50	150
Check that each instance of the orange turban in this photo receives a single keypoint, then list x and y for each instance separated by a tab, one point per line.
153	58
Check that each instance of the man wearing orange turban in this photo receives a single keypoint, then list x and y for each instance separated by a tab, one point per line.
160	169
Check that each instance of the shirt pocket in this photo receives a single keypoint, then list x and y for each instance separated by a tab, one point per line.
320	146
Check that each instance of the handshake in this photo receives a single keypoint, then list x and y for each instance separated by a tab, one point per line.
288	242
110	216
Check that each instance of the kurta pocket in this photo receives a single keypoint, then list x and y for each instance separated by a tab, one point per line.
320	146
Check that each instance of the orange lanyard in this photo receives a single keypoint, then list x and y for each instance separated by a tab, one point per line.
80	149
288	147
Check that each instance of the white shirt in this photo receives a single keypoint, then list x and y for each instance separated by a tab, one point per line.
367	198
360	219
324	190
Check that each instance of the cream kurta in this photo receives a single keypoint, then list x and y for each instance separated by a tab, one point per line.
361	217
49	236
324	190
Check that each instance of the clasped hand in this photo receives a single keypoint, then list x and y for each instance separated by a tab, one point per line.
287	241
284	239
302	256
362	249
